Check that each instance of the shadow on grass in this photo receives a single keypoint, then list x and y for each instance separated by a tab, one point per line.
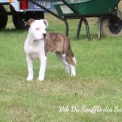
9	30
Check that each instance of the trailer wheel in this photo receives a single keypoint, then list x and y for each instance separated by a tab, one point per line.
3	18
111	26
19	20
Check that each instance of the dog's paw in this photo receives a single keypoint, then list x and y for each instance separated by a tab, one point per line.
73	72
29	78
40	78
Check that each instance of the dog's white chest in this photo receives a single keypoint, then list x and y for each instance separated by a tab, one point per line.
35	51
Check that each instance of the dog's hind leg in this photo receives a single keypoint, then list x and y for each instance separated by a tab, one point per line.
65	63
72	62
69	57
72	67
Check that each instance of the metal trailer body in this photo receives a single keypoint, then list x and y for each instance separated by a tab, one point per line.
21	11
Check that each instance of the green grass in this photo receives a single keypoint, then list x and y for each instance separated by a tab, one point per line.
98	81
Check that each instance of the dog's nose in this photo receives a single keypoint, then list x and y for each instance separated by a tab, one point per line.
44	35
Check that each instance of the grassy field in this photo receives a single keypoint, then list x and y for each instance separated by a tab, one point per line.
94	95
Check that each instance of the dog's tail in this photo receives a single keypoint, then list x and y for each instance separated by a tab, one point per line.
69	57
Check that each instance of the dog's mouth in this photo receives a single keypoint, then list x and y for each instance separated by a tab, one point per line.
39	39
43	38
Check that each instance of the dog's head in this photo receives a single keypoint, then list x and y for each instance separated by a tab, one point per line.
37	28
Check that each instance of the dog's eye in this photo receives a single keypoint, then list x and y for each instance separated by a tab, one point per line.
37	28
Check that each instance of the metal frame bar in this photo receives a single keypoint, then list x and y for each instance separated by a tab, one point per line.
99	27
81	17
78	30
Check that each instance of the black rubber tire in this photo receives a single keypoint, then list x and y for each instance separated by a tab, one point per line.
3	18
111	26
20	20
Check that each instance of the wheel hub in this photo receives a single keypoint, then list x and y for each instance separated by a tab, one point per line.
115	25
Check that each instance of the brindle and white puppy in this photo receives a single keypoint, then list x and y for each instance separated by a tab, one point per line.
39	43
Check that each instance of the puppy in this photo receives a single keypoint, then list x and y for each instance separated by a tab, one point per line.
39	43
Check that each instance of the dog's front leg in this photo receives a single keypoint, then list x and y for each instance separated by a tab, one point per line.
30	67
42	68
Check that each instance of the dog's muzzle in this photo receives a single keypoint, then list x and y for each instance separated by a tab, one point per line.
44	35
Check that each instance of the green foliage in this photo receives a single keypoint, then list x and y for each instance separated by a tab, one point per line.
97	84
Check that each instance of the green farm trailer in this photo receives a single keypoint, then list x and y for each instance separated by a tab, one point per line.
110	17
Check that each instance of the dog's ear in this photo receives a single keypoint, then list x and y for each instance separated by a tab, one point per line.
29	22
45	22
